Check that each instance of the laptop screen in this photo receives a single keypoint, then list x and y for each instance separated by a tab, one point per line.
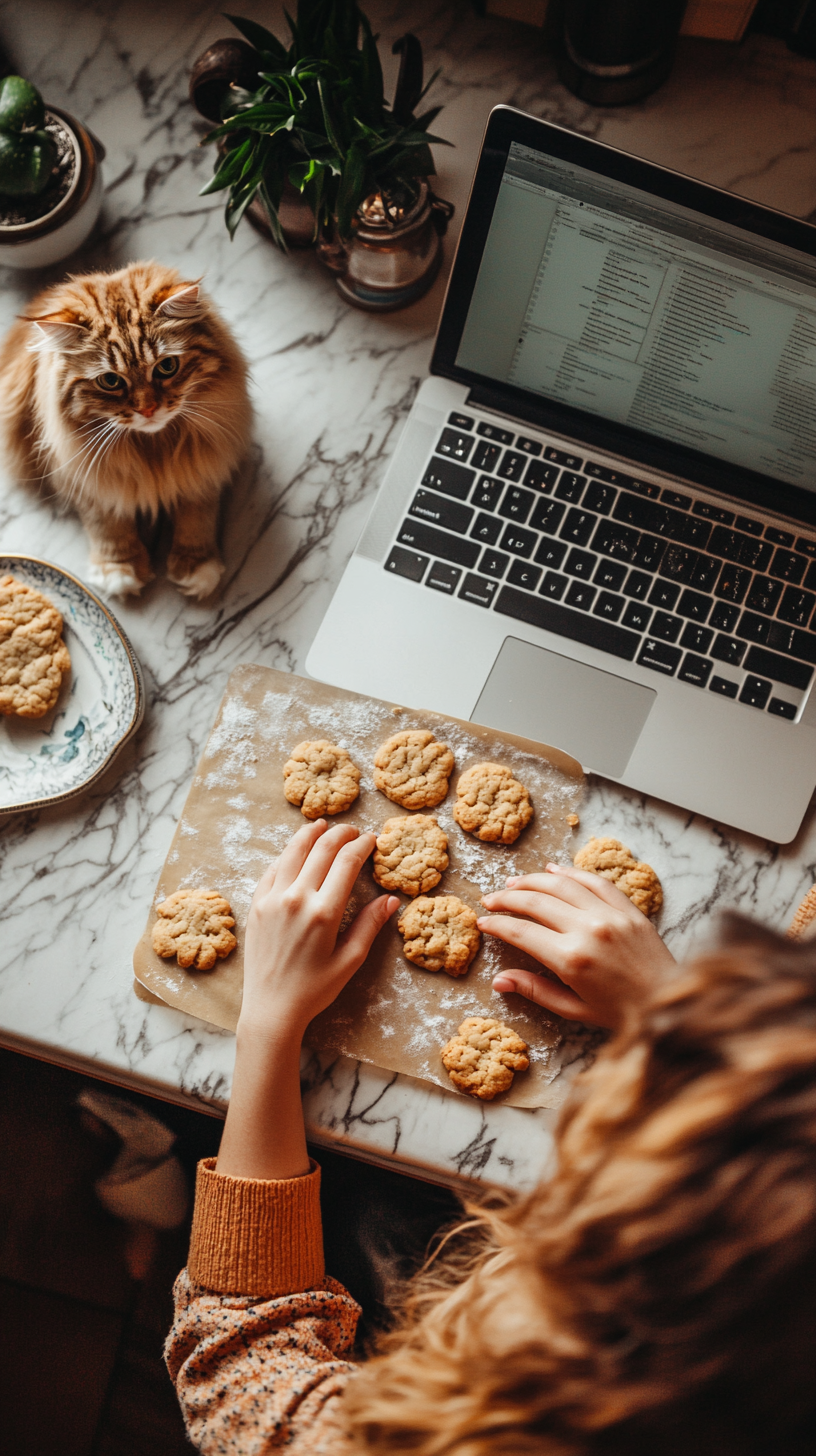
616	302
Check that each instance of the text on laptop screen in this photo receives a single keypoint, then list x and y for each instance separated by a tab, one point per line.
616	302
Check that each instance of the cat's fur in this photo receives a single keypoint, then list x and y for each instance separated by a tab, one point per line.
146	444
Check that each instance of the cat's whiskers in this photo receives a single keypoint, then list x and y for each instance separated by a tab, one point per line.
97	447
98	427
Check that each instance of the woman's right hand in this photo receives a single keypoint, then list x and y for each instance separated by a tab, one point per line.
606	953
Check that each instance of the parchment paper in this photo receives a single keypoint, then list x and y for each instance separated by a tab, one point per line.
392	1014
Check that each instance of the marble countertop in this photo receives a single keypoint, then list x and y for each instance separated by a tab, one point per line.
331	388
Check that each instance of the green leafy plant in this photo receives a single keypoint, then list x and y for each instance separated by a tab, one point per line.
319	121
27	152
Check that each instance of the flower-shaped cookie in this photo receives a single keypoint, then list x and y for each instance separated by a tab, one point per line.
412	769
33	656
320	778
484	1056
411	854
196	927
440	933
610	858
492	804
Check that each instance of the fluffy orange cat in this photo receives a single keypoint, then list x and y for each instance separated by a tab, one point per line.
125	393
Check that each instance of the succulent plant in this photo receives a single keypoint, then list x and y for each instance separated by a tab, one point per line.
27	152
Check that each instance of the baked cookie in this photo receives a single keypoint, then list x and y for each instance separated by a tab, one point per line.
196	927
320	778
411	854
483	1057
610	858
412	769
440	933
33	656
492	804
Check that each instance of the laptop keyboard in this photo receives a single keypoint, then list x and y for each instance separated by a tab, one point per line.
683	587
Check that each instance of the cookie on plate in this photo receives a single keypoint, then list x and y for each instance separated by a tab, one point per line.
411	854
610	858
412	769
195	926
33	656
484	1056
320	778
492	804
440	933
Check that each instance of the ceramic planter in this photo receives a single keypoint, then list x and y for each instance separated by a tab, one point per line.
385	264
60	232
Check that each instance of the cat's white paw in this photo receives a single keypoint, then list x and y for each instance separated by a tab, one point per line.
115	578
202	581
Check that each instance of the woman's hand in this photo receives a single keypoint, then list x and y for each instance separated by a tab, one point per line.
295	962
607	954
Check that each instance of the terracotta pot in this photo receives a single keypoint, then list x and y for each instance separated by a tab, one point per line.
388	264
296	218
225	63
61	231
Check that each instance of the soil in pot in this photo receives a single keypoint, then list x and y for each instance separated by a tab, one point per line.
16	211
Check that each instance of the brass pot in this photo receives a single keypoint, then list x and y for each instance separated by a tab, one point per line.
389	261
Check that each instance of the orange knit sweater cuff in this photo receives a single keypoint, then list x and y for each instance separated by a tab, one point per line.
252	1236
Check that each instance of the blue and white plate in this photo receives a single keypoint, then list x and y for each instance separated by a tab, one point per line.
100	706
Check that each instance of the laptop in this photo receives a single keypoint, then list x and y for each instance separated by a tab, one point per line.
598	530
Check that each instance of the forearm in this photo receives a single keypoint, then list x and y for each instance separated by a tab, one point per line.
264	1135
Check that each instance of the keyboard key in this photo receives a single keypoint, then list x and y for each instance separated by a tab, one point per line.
661	520
810	579
577	626
755	692
637	585
665	626
406	563
664	594
547	516
754	628
608	606
519	541
581	595
781	709
744	523
450	478
649	552
611	574
788	566
541	476
724	618
782	669
460	422
493	432
637	617
530	447
690	568
443	578
617	477
733	583
487	529
779	538
619	542
512	466
796	606
724	686
486	455
600	498
728	649
659	657
516	504
438	543
455	444
674	498
551	553
807	548
578	527
520	574
791	641
561	457
697	638
554	585
478	589
487	493
764	595
695	605
571	487
745	550
493	563
712	513
695	670
441	511
580	563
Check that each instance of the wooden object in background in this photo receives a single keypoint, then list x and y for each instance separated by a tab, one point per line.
718	19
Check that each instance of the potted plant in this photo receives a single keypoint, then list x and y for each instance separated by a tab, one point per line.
50	178
315	129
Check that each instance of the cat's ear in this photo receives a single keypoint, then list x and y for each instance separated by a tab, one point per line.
55	334
185	303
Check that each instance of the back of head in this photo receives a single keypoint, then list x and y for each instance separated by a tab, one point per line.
660	1293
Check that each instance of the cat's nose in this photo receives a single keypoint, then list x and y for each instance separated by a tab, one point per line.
147	410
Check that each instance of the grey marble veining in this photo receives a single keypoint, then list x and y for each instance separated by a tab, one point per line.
331	388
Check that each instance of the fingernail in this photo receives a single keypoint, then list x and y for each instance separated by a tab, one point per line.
503	983
481	920
553	868
511	880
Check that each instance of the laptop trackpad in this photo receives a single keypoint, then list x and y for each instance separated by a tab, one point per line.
594	715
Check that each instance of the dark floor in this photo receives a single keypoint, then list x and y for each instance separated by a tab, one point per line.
80	1340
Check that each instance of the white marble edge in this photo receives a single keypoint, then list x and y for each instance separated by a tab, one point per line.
332	387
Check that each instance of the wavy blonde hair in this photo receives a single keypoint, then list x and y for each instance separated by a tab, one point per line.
659	1294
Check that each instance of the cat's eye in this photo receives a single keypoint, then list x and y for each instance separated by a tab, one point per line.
167	367
109	381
